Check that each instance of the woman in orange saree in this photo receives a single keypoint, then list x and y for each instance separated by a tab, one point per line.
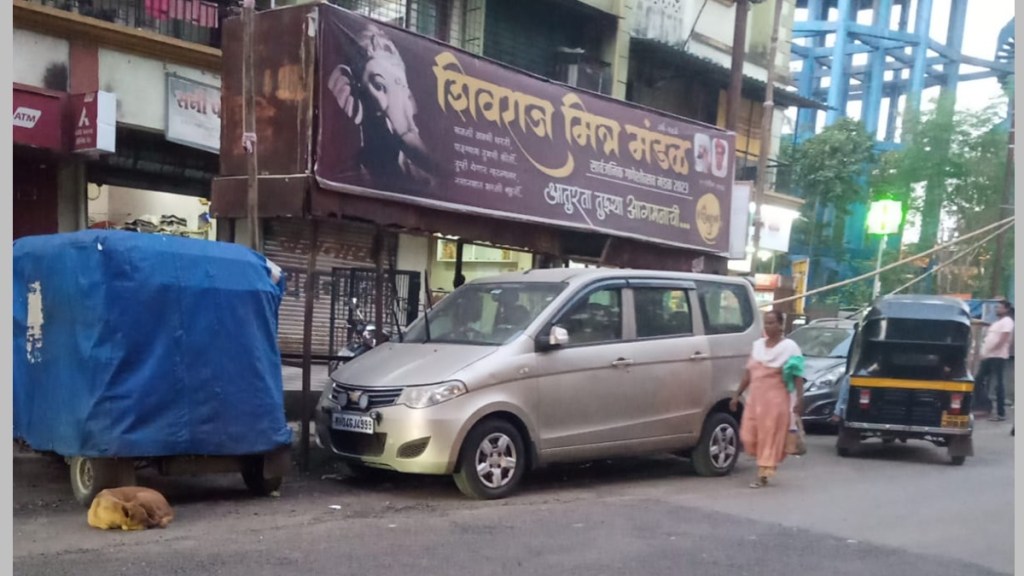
771	406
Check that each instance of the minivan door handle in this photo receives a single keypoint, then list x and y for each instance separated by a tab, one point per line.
622	362
698	355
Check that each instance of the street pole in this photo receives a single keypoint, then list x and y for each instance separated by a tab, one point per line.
307	345
878	266
767	115
739	52
996	289
249	123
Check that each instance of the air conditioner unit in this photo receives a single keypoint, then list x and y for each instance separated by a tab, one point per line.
575	68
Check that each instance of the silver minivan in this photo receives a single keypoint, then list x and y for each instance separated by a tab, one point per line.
522	370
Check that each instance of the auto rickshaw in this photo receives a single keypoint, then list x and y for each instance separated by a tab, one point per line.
143	350
908	376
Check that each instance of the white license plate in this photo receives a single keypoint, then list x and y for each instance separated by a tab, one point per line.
352	423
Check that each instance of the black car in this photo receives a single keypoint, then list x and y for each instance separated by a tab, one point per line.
825	344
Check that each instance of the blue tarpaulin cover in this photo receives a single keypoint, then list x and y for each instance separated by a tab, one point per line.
133	345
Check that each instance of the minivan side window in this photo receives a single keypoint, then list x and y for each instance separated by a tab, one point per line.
726	308
662	312
594	318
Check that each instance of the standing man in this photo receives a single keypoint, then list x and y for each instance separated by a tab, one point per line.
995	351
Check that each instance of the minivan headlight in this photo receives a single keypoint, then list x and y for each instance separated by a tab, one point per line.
426	396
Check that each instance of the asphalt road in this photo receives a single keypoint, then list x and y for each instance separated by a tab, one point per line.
898	510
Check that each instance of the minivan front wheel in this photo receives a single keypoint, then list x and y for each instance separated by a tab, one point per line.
719	446
492	461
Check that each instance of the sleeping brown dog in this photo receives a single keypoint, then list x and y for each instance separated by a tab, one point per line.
130	508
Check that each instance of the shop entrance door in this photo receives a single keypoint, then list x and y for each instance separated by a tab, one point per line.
35	196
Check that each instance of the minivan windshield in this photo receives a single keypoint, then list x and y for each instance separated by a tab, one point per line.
823	342
485	314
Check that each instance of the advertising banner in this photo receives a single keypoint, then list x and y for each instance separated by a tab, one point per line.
408	118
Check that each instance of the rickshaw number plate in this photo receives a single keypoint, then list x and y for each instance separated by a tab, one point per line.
950	421
352	423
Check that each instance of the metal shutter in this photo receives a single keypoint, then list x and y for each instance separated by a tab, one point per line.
287	243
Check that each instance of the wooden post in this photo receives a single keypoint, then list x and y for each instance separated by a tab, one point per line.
379	246
767	116
249	124
307	343
458	280
426	288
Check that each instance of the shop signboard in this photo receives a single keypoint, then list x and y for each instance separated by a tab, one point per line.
739	225
94	122
767	281
408	118
778	223
193	114
38	120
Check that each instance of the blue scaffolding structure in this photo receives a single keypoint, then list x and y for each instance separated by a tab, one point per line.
885	65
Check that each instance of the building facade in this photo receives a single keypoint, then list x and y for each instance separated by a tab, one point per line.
163	65
119	114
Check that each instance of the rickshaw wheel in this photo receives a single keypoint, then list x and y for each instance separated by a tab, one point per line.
90	476
958	460
844	439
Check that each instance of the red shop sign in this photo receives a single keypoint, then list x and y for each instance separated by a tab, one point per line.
38	120
767	281
94	116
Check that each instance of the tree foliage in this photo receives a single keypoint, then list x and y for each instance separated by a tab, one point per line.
826	168
961	155
957	156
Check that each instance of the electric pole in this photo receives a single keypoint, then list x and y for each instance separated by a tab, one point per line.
995	289
739	52
767	115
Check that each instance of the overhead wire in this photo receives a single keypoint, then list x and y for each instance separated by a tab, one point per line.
1002	223
973	249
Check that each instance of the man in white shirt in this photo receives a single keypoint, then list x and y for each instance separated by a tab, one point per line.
995	351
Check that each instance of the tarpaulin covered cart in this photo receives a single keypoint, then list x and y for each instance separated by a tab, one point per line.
138	348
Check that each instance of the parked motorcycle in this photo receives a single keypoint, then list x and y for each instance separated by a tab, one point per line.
366	336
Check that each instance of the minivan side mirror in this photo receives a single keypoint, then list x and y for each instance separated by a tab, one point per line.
555	337
558	337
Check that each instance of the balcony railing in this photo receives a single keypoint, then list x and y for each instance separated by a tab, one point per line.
198	21
201	21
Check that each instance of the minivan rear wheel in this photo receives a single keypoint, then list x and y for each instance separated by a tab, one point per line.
719	446
492	460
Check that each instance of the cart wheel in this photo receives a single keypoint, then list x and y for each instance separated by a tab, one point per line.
958	460
90	476
252	473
